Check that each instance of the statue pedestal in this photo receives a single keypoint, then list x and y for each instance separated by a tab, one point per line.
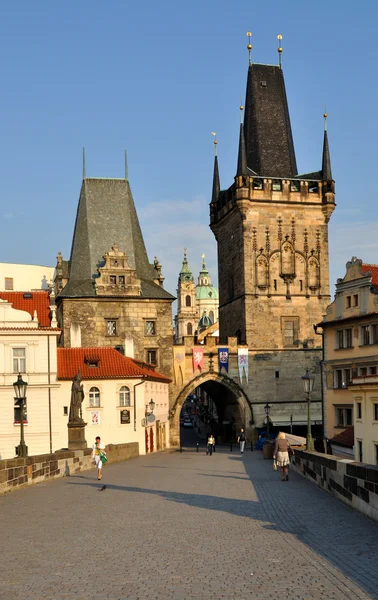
76	436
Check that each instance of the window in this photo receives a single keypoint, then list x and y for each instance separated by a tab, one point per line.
355	300
150	328
288	333
376	454
277	374
362	371
342	378
375	412
65	411
94	397
111	327
372	370
348	301
374	333
344	338
151	357
17	410
359	410
19	360
275	284
189	329
276	185
188	301
9	284
294	186
344	417
359	451
300	285
365	335
113	279
121	280
211	316
124	396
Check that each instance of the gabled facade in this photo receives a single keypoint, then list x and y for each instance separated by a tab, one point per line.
350	331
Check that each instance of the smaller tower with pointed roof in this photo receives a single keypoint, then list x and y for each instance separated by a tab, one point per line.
185	320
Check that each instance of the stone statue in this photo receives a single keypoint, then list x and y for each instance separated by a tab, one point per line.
77	397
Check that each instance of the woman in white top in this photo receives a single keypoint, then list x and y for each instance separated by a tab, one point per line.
98	449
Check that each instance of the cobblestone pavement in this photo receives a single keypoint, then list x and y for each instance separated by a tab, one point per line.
174	526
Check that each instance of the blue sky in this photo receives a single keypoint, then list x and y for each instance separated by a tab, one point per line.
157	78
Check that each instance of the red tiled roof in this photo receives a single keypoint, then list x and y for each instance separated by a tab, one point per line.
39	301
374	272
345	438
111	365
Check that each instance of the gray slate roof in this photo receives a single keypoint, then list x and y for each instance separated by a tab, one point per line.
106	215
267	128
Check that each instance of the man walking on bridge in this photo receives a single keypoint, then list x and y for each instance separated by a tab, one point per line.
242	440
98	455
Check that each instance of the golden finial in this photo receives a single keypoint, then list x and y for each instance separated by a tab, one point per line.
279	49
215	142
241	107
185	250
249	46
325	115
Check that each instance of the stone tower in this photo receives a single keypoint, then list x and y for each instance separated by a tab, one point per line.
186	319
108	293
271	226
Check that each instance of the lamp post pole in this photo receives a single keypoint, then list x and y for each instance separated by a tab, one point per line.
20	393
267	412
308	385
150	405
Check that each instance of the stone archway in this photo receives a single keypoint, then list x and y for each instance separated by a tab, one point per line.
232	389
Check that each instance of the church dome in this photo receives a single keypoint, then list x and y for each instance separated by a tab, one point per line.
204	322
206	292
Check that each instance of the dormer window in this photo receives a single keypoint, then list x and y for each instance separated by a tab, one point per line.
92	362
113	279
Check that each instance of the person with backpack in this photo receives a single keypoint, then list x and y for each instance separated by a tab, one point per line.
99	456
282	454
242	440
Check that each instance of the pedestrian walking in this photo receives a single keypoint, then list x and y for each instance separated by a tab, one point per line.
242	440
99	456
210	444
282	453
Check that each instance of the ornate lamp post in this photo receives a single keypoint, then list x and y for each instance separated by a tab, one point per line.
20	395
147	414
267	412
308	385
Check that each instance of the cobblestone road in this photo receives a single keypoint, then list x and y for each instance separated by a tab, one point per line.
185	526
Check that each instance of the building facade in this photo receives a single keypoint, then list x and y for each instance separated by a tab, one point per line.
350	331
194	301
108	294
271	228
25	278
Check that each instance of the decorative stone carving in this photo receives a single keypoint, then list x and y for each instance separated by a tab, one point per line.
116	277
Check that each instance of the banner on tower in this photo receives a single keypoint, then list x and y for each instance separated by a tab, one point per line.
197	359
223	358
243	363
179	363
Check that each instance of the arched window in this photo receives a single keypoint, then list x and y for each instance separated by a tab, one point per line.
124	396
189	329
94	397
211	316
188	301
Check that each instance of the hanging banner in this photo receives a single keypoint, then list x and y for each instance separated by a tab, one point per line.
197	359
179	363
223	358
243	363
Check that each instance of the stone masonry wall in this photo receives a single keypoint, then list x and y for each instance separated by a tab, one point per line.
91	315
354	483
18	472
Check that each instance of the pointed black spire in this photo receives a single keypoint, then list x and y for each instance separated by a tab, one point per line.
326	163
242	156
216	182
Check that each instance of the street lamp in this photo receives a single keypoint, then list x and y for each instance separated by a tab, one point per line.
148	413
20	396
308	385
267	412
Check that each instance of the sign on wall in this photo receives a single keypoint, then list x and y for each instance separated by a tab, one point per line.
94	417
125	417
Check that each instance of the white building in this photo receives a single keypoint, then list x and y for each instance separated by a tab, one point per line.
28	346
117	391
23	278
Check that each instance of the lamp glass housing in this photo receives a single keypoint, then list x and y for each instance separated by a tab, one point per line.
267	409
308	382
152	405
20	387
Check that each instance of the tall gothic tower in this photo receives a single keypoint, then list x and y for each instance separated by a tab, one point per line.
186	319
271	226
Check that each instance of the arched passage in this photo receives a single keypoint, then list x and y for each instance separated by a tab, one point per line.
233	409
